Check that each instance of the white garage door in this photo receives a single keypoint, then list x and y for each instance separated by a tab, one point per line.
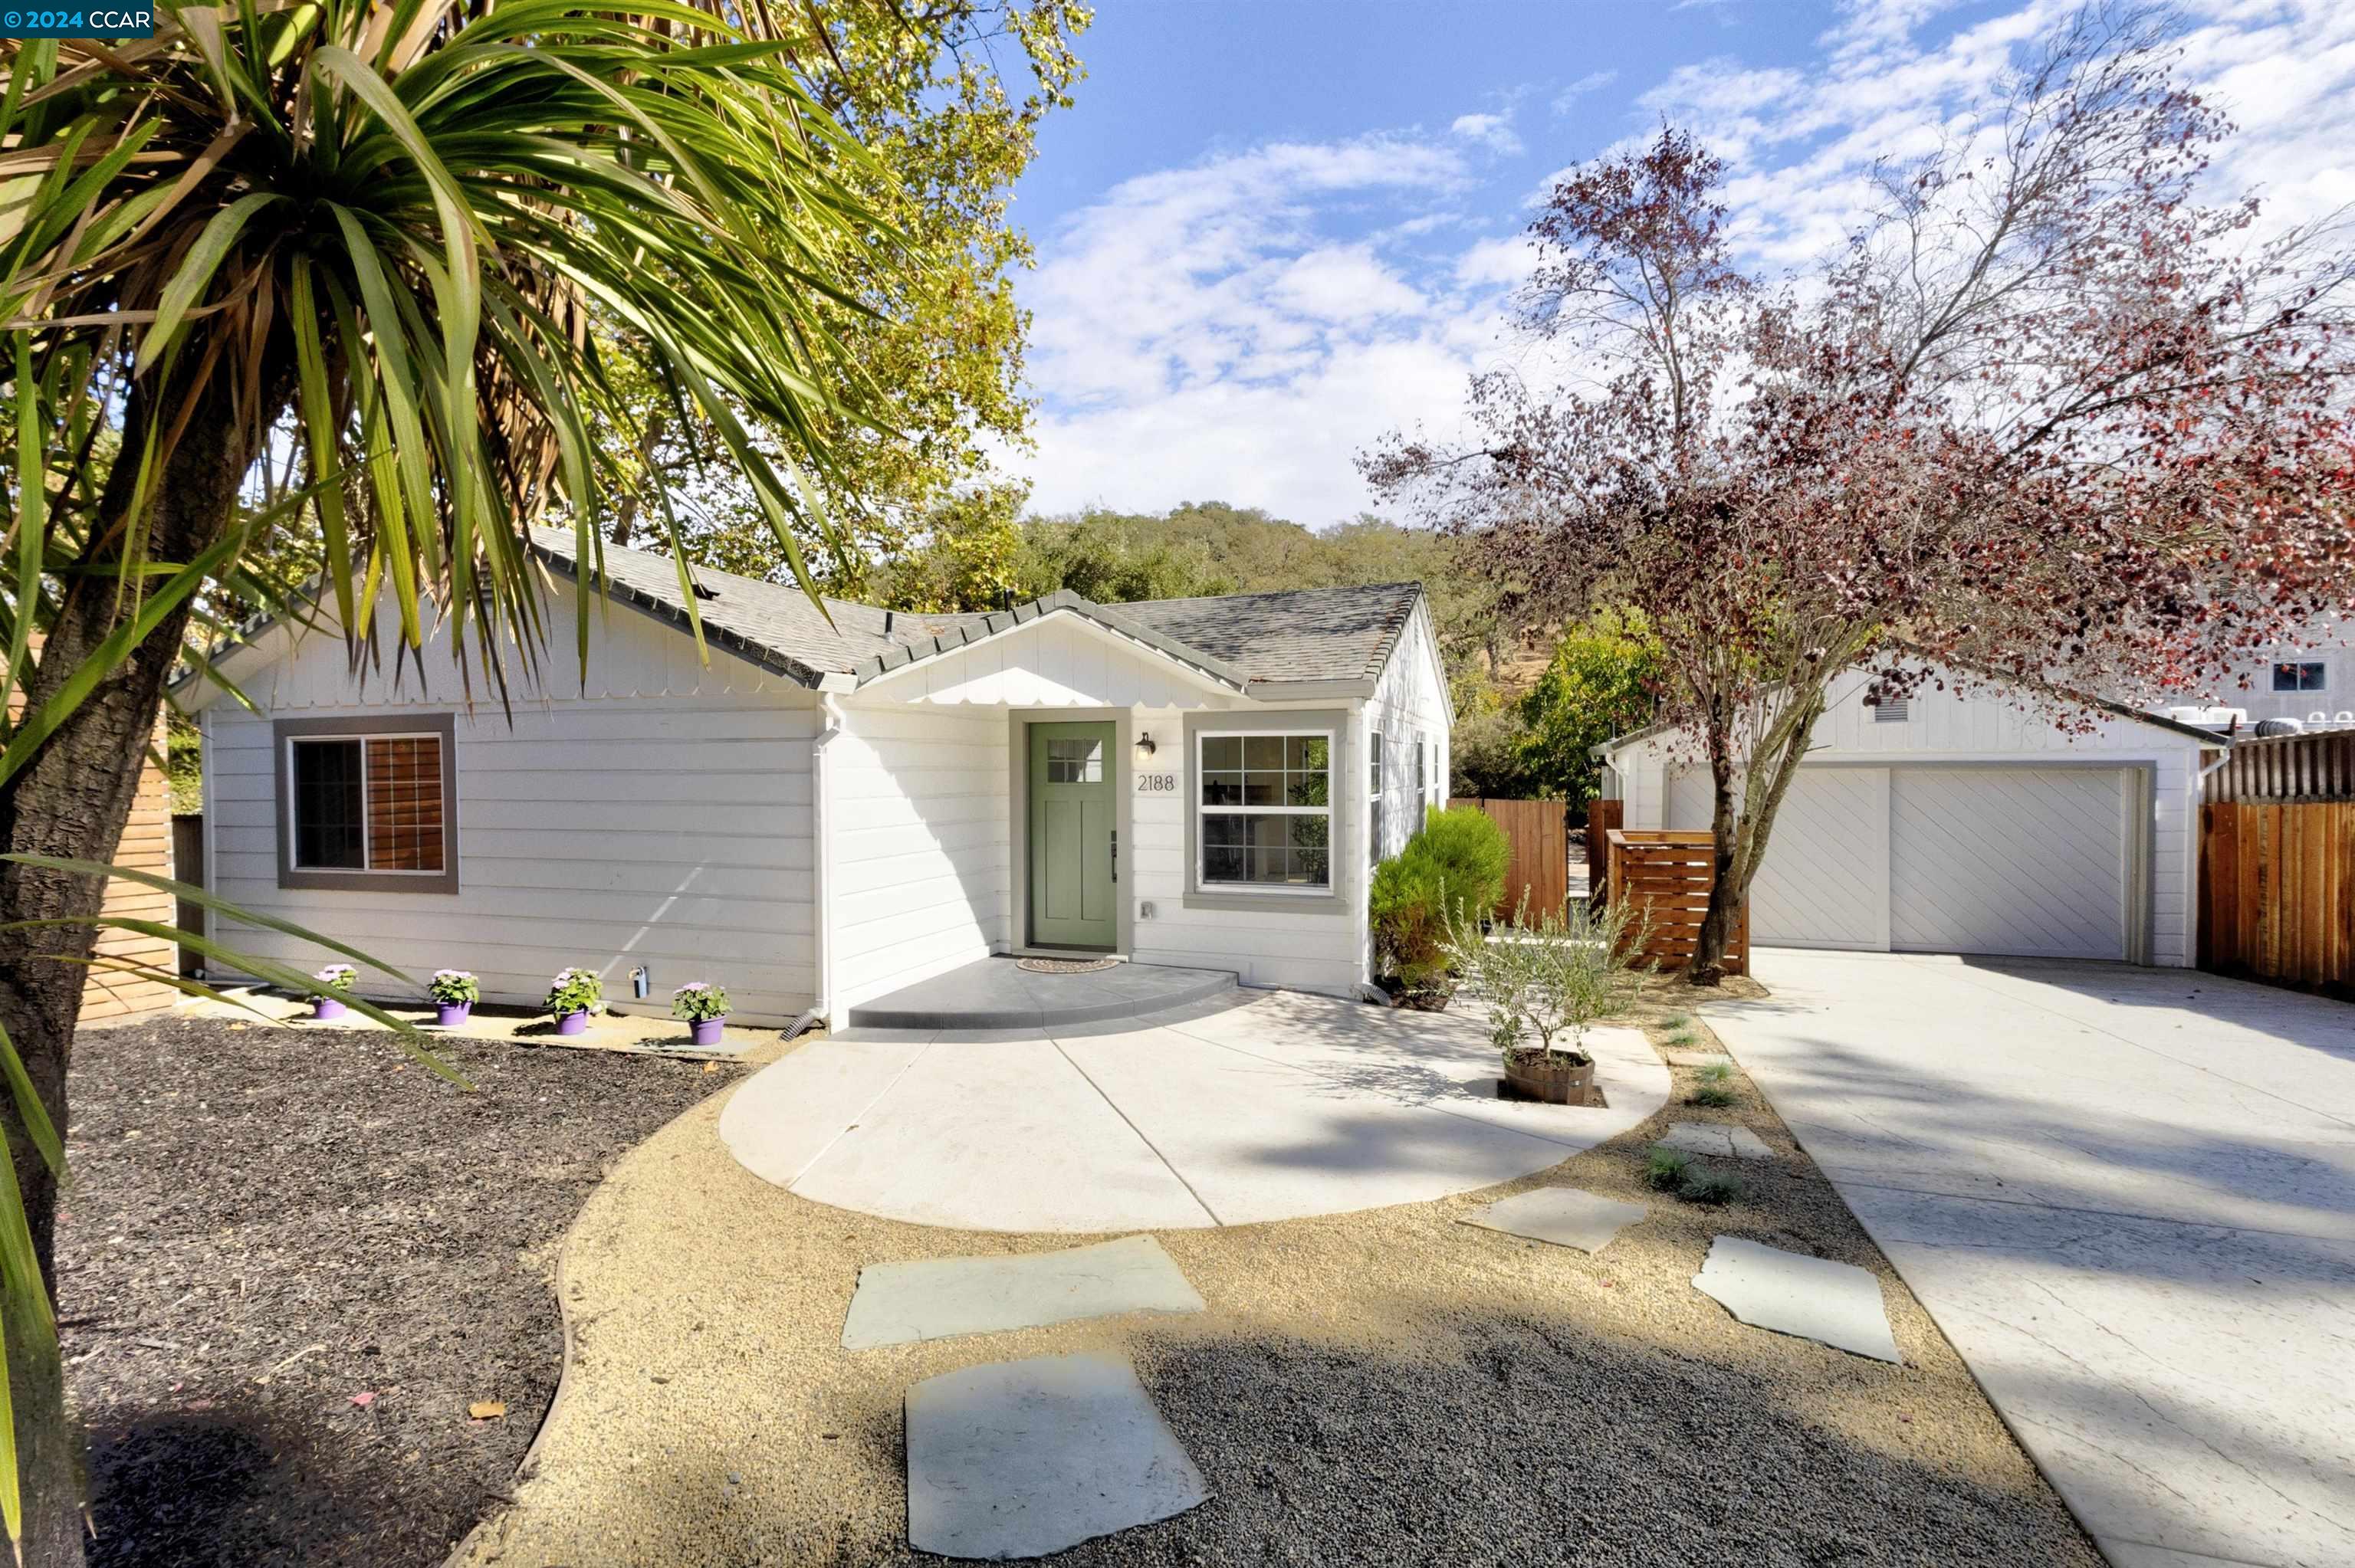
1824	884
2008	860
2028	861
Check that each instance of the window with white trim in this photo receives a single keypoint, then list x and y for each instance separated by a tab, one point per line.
1422	788
2301	676
1264	811
369	802
1374	798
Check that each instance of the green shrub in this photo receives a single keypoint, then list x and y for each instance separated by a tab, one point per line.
1470	854
1716	1073
1712	1094
1409	907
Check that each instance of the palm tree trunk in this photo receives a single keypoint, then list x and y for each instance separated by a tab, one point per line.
73	800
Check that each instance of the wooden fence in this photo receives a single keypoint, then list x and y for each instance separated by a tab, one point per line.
2318	765
112	993
188	856
2277	891
1540	843
1602	816
1668	875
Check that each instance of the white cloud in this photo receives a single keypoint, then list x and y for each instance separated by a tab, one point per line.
1494	131
1592	81
1241	328
1211	331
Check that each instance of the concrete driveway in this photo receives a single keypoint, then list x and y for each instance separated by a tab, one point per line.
2128	1196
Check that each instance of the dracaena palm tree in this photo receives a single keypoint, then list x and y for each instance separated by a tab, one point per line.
377	246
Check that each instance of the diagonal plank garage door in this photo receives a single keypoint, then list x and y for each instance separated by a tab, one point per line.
2008	860
1827	867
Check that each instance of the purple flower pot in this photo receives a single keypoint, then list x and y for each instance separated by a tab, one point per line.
573	1023
705	1030
325	1007
450	1014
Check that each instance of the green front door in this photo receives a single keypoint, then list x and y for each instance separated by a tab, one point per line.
1072	860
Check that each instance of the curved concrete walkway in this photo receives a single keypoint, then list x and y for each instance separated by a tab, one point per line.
1284	1106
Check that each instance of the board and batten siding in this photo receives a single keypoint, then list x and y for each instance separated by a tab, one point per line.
1410	705
1663	789
658	817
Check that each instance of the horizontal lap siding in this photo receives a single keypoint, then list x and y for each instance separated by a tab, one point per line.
662	819
918	816
1284	945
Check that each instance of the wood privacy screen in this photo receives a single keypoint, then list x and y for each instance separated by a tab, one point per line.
1540	844
2277	891
1668	876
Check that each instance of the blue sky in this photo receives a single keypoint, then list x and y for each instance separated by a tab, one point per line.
1271	229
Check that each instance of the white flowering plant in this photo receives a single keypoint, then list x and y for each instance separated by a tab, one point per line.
454	985
698	1001
336	980
574	991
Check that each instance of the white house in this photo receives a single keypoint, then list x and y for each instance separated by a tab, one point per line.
825	812
2311	681
1964	824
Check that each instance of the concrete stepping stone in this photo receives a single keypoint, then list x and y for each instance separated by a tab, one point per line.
1716	1137
1022	1458
1836	1304
1700	1059
1563	1216
939	1298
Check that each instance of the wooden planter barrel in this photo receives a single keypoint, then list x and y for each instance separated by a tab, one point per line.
1557	1079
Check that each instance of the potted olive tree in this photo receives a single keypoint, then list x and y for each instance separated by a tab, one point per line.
704	1006
335	990
454	993
572	996
1546	982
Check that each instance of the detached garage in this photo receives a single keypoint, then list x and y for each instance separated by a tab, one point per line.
1952	824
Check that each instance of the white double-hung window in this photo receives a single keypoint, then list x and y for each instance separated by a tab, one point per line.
1264	811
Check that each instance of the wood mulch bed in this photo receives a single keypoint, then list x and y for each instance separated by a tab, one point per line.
291	1260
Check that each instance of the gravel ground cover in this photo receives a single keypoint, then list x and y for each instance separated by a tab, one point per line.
291	1262
1387	1387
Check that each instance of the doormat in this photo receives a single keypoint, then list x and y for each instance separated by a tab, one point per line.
1064	966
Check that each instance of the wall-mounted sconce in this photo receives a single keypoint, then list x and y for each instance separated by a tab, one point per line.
1145	746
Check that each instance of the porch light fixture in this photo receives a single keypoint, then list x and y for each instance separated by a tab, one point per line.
1145	746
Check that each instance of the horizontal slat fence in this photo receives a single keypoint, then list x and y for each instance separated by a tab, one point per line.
2277	891
1540	844
1668	876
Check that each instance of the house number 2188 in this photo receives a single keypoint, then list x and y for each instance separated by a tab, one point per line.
1157	783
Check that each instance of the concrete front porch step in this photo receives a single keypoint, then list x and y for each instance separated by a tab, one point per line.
998	993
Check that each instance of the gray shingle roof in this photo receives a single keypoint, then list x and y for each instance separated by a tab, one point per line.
1238	639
